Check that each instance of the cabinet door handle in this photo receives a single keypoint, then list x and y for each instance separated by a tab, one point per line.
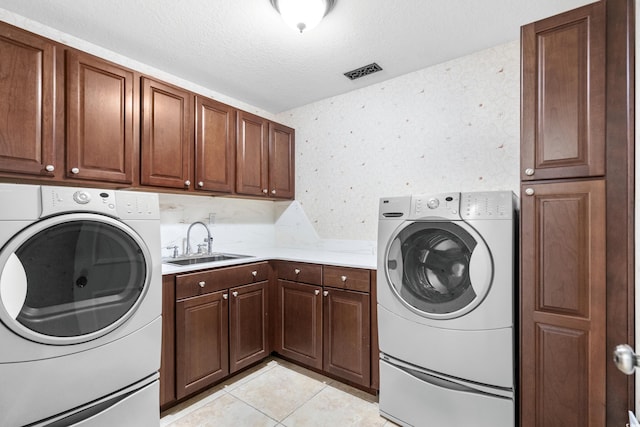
297	271
234	293
343	278
529	191
225	296
325	293
201	284
75	171
254	273
317	292
529	171
273	191
265	191
187	183
49	168
200	184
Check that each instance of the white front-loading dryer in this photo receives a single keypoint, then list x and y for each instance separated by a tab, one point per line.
80	301
446	274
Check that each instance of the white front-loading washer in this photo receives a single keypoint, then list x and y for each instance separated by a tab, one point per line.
80	305
446	274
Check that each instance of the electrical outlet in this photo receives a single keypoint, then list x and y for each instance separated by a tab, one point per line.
212	218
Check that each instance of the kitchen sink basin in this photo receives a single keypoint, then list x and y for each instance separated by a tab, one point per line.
203	259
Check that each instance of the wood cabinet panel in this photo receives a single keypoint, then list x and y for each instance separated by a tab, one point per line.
281	161
347	335
354	279
100	120
168	359
299	323
563	95
28	112
248	329
562	307
252	154
202	342
166	141
215	145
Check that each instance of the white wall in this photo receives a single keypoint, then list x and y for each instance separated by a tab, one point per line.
451	127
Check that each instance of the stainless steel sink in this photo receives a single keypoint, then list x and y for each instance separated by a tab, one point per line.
203	259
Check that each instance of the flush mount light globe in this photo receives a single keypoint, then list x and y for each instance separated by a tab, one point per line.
302	15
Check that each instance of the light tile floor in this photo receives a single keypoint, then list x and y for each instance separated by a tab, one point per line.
277	393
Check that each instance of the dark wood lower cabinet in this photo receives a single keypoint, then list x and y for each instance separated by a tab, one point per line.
347	337
202	340
248	331
299	323
168	356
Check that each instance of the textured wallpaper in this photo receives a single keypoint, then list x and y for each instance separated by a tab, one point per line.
451	127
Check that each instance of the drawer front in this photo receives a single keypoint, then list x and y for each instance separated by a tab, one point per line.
355	279
300	272
204	282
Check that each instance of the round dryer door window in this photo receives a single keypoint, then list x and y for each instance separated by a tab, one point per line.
439	269
72	278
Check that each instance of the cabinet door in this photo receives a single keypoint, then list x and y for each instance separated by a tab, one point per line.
27	110
167	118
563	343
100	129
202	342
347	335
563	95
299	323
252	155
248	330
281	161
215	146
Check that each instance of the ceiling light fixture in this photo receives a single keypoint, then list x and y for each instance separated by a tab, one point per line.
302	15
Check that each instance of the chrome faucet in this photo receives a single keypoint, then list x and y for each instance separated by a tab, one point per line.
209	238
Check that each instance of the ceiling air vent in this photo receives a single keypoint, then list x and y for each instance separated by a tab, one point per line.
363	71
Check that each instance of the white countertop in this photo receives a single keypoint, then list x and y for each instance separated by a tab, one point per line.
315	256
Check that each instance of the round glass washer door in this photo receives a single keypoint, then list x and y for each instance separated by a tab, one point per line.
72	278
439	270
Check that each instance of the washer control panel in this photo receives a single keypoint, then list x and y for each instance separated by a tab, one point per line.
487	205
446	206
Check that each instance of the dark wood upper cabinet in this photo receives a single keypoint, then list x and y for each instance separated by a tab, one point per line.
563	342
265	158
166	140
252	155
28	112
215	146
281	161
100	120
563	95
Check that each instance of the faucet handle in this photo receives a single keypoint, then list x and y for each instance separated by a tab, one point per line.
200	247
174	254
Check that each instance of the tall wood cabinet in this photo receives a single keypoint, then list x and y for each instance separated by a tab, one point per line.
566	189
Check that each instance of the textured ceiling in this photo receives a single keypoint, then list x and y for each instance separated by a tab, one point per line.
242	49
